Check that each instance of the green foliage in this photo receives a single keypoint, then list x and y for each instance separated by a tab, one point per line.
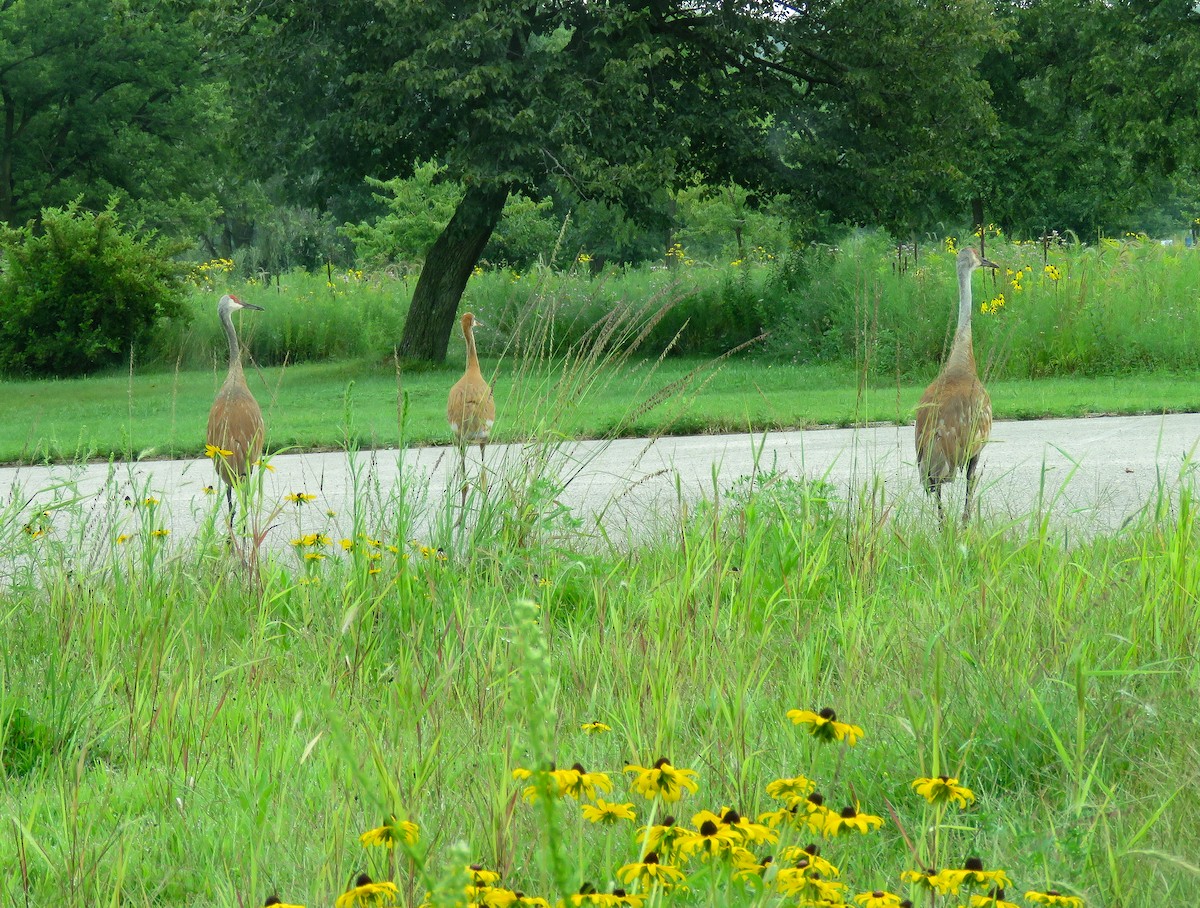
105	100
80	293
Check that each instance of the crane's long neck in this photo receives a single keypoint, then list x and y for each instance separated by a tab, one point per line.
235	353
472	356
963	351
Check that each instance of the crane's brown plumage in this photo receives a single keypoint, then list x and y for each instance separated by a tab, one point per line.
954	417
235	422
471	409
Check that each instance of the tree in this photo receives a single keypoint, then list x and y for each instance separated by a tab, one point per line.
100	99
616	101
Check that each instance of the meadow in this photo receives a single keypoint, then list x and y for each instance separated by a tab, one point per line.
507	707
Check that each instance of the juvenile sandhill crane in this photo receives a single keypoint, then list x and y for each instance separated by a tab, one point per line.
954	417
471	409
235	423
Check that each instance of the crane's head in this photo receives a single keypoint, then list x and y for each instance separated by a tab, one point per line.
469	321
969	260
230	303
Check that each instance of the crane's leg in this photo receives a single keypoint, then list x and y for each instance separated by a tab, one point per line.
462	475
482	468
229	499
937	494
972	481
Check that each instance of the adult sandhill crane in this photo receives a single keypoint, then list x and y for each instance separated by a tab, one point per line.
471	408
235	423
954	417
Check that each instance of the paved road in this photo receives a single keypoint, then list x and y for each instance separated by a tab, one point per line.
1091	473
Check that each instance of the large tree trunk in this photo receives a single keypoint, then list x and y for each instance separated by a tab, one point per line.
448	265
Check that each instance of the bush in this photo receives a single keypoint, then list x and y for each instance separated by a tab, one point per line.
77	295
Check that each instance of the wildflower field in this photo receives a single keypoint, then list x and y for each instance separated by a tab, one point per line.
779	698
781	695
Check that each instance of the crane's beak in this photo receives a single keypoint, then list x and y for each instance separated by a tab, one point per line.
984	263
260	308
478	324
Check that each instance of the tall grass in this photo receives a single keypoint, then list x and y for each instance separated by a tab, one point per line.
177	728
1120	306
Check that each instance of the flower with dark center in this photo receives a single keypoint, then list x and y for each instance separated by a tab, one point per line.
943	790
662	780
973	874
391	832
877	899
850	820
795	855
824	726
609	814
650	872
787	789
1053	898
367	893
993	899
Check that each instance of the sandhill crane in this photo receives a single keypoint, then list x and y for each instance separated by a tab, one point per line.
954	416
235	423
471	409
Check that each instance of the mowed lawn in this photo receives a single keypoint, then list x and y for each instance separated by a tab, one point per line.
326	405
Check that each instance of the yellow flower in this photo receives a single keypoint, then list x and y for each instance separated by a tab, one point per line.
930	881
480	876
347	545
877	899
786	789
209	490
712	838
273	901
390	833
262	463
1052	272
804	884
609	814
663	780
951	245
943	790
123	538
973	874
595	728
749	831
1054	898
649	872
150	502
850	820
367	893
216	451
993	899
663	837
810	857
160	534
313	556
824	725
299	497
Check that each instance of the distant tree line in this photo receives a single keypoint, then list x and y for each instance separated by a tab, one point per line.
294	133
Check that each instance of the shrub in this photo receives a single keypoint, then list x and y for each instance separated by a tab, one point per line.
76	295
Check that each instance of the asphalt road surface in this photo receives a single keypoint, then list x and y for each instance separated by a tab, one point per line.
1087	473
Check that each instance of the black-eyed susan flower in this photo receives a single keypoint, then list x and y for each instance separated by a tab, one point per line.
786	789
1052	272
367	893
347	545
123	538
1053	898
216	451
750	832
274	901
209	490
711	839
390	833
649	872
662	780
973	874
824	726
150	502
662	837
529	901
811	855
806	885
492	897
595	728
930	881
631	899
877	899
850	820
481	876
299	498
575	782
992	899
609	814
160	533
943	790
314	556
746	864
264	465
